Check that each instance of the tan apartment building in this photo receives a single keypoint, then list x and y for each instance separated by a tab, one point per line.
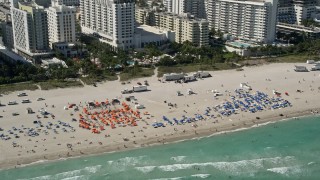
194	31
186	27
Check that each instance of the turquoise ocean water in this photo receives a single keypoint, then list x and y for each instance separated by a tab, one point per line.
282	150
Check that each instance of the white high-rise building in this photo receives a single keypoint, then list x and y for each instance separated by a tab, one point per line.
30	28
194	7
248	20
112	20
179	6
61	24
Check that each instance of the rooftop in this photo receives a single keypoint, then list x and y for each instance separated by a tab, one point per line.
146	30
299	28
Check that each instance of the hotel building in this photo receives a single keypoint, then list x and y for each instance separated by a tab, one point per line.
30	29
247	20
111	20
61	24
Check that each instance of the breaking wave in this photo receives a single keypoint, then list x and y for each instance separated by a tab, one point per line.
127	161
235	167
68	175
286	170
146	169
203	176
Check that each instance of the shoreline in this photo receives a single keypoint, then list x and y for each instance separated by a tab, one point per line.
50	146
203	133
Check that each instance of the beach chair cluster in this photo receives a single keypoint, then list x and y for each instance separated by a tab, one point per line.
184	120
38	129
252	103
241	101
98	117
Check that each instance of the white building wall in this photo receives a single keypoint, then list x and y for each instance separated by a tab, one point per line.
61	24
20	30
30	29
194	7
113	20
303	12
249	20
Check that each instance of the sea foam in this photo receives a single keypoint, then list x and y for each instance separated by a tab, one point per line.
146	169
287	171
178	158
83	177
235	167
174	178
127	161
46	177
75	174
203	176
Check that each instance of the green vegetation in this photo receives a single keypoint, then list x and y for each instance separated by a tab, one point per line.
93	80
187	53
310	23
19	72
293	58
136	72
17	87
54	84
194	68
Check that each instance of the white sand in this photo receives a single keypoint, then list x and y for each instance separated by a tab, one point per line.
54	146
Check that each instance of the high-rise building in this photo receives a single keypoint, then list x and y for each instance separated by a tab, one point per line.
112	20
247	20
295	11
30	28
61	24
185	26
195	31
193	7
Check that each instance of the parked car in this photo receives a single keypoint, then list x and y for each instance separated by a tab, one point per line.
26	101
40	99
12	103
22	94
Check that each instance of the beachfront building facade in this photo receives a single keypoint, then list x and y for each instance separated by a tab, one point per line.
248	20
111	20
65	2
61	24
295	11
195	31
185	26
143	16
30	29
193	7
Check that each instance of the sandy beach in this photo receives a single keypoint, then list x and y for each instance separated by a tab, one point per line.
76	141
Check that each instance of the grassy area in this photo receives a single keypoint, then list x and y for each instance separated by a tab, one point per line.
91	81
194	68
293	58
54	84
6	88
145	72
